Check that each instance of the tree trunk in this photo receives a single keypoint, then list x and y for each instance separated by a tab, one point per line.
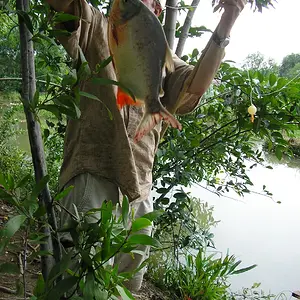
170	22
186	27
35	137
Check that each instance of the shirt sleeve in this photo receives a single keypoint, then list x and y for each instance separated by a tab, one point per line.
81	36
174	84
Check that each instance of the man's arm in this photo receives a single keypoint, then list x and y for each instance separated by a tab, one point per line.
212	55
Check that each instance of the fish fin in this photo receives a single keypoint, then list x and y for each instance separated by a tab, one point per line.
169	62
125	99
149	121
161	92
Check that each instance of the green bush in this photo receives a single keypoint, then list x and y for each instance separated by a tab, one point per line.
13	160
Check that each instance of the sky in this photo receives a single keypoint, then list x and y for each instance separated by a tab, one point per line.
274	32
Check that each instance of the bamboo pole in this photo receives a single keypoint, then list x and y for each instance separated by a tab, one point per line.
35	139
170	22
186	28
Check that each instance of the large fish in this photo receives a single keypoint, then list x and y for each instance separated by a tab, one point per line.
140	55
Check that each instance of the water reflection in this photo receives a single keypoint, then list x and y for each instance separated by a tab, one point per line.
260	231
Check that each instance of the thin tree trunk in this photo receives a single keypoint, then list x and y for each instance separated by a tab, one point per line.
35	137
170	22
186	27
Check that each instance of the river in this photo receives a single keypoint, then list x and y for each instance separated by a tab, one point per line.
260	231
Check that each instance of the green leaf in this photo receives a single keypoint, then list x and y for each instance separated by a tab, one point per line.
39	187
13	225
164	201
153	215
243	270
162	191
35	100
40	286
59	32
10	228
6	196
84	71
59	269
125	212
89	287
106	81
51	108
106	212
100	294
272	79
88	95
180	195
23	181
62	287
63	17
10	182
25	17
281	82
9	268
124	293
63	193
195	52
70	79
143	239
278	153
31	206
140	223
103	64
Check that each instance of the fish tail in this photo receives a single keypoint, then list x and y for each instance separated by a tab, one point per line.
151	120
125	99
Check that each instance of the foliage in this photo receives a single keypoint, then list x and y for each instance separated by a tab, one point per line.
186	222
98	236
9	53
219	137
13	160
53	142
203	276
290	66
253	293
257	62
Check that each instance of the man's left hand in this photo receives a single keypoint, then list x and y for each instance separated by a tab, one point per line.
229	5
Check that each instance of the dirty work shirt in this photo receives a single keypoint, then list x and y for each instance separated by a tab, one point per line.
98	145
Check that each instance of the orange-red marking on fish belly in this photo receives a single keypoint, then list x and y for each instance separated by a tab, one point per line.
124	99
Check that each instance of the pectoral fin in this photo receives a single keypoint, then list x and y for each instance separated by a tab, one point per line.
125	99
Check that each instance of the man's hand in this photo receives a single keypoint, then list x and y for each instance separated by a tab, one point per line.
232	9
229	5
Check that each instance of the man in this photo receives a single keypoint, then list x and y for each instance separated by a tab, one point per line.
100	158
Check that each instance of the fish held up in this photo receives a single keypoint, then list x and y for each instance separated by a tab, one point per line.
140	55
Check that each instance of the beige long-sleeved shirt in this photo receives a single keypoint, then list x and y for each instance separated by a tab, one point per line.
104	147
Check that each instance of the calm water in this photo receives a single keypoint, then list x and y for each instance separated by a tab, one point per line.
259	231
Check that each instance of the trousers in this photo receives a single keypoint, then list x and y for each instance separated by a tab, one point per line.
89	192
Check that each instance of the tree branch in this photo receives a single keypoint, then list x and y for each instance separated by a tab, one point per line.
186	27
35	138
170	22
20	79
